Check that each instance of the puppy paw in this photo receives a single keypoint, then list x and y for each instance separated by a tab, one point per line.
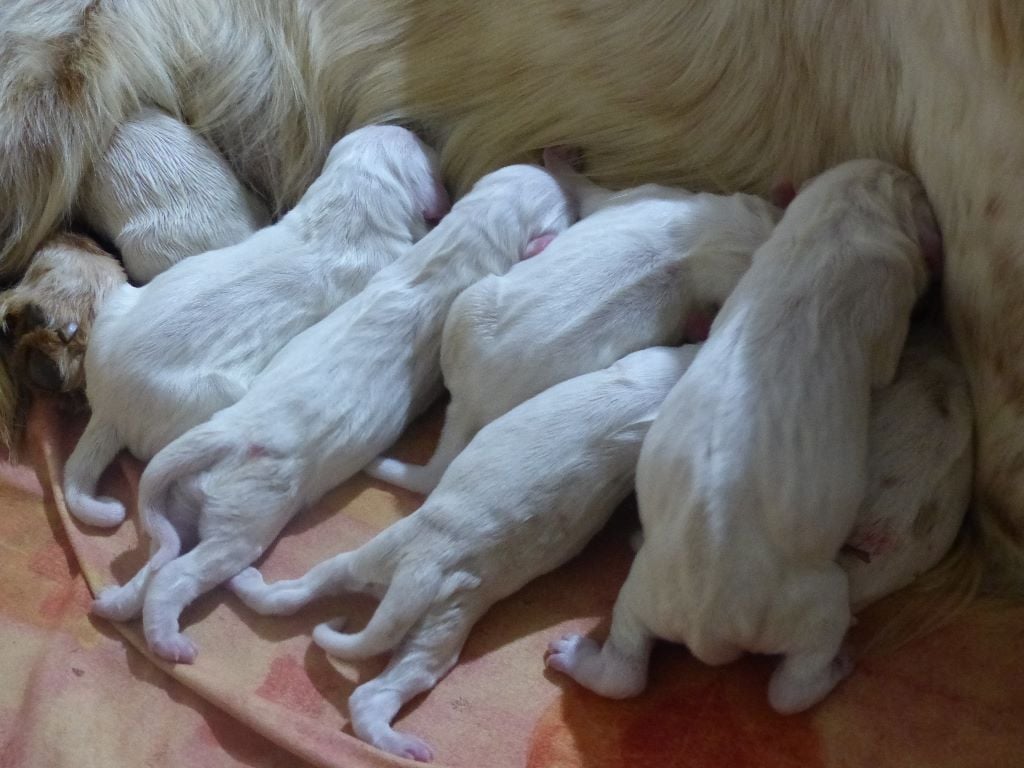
606	674
45	320
569	653
100	511
117	604
247	583
178	649
406	745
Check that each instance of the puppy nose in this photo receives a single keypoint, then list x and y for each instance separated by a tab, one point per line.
43	372
67	333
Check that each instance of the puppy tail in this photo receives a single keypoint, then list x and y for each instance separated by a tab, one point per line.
196	450
588	196
95	450
410	595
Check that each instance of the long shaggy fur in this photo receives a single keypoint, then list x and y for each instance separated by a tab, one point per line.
714	94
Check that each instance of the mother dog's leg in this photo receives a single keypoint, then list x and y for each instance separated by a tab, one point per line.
968	148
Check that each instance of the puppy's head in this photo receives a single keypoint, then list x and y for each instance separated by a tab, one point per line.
401	156
532	196
875	189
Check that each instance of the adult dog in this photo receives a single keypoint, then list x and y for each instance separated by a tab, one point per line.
713	94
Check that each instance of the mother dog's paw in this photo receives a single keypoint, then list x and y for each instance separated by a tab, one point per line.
46	318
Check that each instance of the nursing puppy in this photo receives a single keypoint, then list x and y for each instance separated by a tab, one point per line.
330	401
919	471
166	356
162	193
622	279
750	481
919	474
556	468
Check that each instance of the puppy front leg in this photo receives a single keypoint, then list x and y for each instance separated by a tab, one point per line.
425	656
617	670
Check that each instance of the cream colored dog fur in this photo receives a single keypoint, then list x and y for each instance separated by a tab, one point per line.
711	94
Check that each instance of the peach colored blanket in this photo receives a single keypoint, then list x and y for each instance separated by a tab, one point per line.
80	692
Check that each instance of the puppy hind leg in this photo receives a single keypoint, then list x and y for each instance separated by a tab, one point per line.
179	582
455	435
410	595
811	669
125	602
426	655
617	670
95	450
330	577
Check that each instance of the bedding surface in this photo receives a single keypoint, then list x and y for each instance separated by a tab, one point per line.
79	691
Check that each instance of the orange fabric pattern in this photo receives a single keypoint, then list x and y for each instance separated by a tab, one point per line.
79	691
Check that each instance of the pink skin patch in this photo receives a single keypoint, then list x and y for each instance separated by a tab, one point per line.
871	541
697	327
440	206
537	245
256	451
782	194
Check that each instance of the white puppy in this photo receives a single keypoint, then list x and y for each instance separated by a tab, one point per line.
750	481
161	193
166	356
330	401
555	467
624	278
919	471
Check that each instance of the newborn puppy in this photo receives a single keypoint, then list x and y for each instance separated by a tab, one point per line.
750	481
555	467
162	193
166	356
920	465
919	471
624	278
332	399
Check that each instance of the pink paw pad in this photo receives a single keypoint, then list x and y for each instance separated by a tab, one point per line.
177	649
416	749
